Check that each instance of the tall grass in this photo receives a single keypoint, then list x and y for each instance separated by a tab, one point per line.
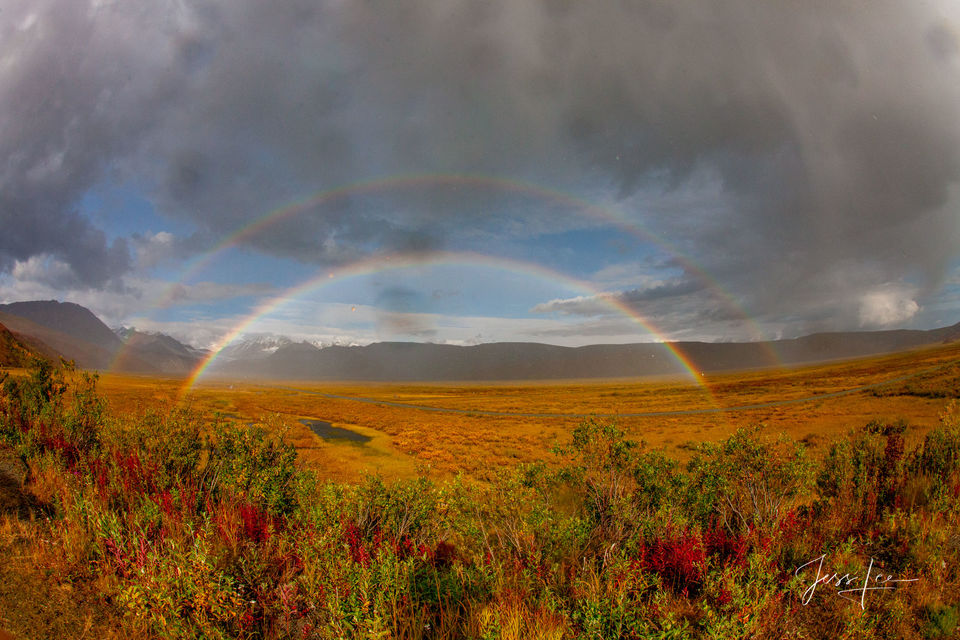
196	533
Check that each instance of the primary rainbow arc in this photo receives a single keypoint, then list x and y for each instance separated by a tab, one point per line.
398	261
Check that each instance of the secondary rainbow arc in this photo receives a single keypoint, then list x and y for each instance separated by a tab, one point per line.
415	181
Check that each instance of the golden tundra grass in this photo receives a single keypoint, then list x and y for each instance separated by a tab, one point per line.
406	441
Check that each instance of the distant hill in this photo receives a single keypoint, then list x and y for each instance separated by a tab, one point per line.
494	361
254	347
409	361
830	346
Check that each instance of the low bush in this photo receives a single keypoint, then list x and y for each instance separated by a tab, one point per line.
748	481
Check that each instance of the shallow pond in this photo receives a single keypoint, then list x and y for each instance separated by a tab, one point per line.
329	432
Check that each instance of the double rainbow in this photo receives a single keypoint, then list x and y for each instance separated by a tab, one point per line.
401	261
604	215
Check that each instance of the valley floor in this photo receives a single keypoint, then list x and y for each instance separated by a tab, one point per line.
447	428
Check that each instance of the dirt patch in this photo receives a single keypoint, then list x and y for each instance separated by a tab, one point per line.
13	498
34	603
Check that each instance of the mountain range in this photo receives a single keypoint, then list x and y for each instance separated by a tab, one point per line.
54	329
407	361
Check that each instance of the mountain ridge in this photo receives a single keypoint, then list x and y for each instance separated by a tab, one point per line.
409	361
74	332
162	352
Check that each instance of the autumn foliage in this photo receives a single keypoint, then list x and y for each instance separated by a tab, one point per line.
218	533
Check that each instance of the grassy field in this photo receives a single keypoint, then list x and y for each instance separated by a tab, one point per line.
407	441
129	508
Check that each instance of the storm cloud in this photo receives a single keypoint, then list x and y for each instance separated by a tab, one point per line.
824	133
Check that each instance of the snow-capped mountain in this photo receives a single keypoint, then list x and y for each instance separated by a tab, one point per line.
253	347
259	346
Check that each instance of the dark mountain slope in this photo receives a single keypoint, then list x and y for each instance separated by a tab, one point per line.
57	344
13	352
67	318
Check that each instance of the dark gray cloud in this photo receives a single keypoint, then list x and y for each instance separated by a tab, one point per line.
826	132
637	299
69	109
398	298
392	325
679	308
163	247
677	287
399	312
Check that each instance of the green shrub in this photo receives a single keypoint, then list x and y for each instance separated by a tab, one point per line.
251	464
83	423
852	467
941	622
401	510
747	480
658	481
600	467
30	400
886	428
940	454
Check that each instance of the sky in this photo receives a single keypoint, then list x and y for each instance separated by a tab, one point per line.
465	171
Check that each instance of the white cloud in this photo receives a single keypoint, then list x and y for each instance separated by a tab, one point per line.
623	275
652	291
44	269
212	291
887	306
578	305
36	279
